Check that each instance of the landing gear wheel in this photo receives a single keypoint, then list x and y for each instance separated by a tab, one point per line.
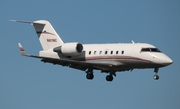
90	76
156	77
109	78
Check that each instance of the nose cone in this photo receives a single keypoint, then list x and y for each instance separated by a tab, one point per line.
165	60
168	61
162	59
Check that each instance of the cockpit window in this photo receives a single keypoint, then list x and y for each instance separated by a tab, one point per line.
145	50
150	50
155	50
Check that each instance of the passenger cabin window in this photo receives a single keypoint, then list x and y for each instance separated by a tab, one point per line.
150	50
94	52
100	52
122	52
106	52
111	52
116	52
89	52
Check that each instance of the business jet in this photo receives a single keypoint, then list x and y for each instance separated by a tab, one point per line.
108	58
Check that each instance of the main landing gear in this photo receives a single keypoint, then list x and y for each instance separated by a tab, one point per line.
89	74
156	77
110	76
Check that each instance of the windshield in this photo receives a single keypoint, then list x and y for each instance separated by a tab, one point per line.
150	50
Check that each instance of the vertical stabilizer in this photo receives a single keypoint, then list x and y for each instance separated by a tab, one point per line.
46	34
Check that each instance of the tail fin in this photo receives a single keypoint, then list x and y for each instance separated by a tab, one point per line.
46	34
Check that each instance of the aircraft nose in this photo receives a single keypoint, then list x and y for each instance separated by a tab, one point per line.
163	59
168	61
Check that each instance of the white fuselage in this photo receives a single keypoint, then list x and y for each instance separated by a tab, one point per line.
117	56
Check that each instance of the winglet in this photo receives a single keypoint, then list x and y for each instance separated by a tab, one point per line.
21	49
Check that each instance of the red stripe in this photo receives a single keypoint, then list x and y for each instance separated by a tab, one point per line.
114	58
48	33
45	33
22	49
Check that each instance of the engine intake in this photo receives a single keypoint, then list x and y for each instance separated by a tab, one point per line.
70	49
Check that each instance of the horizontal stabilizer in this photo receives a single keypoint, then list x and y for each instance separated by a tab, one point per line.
21	21
28	22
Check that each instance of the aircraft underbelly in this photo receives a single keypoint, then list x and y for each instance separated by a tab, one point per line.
121	65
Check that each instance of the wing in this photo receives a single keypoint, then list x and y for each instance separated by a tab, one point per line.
80	65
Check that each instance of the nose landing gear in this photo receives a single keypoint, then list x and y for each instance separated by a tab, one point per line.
156	77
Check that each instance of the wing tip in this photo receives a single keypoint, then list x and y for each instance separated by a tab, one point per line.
22	50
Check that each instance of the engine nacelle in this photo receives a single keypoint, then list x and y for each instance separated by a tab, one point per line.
69	49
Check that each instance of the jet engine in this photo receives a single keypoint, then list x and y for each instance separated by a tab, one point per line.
69	49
